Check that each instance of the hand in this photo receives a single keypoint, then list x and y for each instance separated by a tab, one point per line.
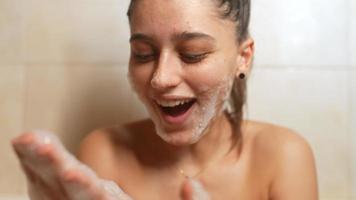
54	174
194	190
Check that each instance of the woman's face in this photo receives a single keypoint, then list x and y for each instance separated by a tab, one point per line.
184	58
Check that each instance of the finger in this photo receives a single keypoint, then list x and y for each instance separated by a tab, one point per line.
43	154
34	192
40	149
41	160
22	141
194	190
47	158
113	191
38	188
81	185
39	153
199	193
187	190
30	175
37	146
32	183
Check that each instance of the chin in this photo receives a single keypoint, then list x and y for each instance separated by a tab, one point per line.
179	138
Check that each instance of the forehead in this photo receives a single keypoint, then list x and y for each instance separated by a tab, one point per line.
164	18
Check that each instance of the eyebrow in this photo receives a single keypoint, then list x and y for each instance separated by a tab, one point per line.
179	36
140	36
192	36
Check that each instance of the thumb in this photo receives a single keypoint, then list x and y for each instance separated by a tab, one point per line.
194	190
187	190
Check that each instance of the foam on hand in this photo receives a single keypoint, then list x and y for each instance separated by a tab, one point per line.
199	193
50	167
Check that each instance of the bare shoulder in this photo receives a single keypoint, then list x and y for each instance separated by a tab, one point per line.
93	140
96	149
276	139
102	148
294	171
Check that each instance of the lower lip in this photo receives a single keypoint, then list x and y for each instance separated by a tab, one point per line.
180	119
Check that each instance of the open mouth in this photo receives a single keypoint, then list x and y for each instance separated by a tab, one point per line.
176	111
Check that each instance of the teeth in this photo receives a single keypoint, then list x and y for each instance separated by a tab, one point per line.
171	103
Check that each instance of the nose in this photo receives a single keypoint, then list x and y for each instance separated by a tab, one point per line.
167	73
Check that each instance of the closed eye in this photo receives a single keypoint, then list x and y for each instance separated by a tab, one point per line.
143	58
193	58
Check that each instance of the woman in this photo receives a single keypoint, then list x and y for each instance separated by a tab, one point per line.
189	62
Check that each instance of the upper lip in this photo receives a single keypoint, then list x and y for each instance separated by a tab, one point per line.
173	98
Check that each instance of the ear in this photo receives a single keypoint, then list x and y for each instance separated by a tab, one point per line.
245	56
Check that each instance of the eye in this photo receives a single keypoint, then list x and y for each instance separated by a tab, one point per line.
193	58
143	58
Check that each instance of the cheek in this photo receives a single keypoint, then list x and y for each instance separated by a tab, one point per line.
139	79
216	76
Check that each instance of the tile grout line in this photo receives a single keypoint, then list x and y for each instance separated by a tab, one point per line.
350	177
24	106
352	138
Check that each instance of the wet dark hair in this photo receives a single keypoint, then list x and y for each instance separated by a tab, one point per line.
236	10
239	12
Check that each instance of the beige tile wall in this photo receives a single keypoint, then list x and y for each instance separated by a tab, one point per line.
318	110
73	100
11	24
352	32
75	32
301	32
353	129
63	68
11	121
352	88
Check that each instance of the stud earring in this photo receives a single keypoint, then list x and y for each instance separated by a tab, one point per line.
242	76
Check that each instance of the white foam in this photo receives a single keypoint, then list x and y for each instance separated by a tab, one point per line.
199	193
211	109
211	102
50	173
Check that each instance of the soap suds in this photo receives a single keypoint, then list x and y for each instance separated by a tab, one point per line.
53	174
199	193
210	103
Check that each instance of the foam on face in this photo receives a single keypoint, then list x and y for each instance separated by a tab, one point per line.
211	102
212	108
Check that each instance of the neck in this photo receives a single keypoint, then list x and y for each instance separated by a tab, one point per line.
213	147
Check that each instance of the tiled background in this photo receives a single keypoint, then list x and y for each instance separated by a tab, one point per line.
63	67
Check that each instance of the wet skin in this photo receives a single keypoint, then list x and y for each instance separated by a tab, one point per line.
178	52
270	163
182	49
